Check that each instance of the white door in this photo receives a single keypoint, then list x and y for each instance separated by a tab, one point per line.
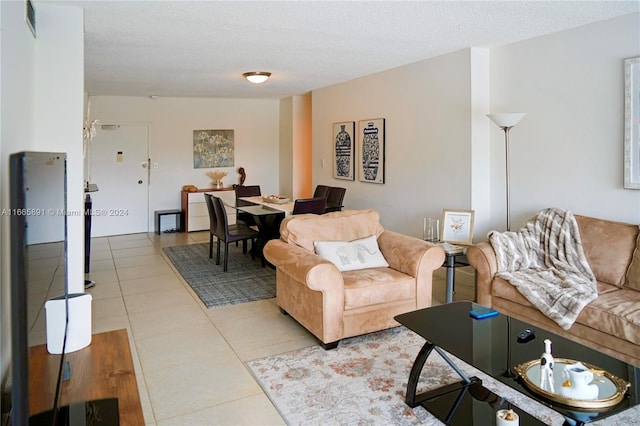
119	165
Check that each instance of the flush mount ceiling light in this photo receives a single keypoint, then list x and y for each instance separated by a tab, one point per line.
257	77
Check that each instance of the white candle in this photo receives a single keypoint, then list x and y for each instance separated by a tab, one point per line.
507	418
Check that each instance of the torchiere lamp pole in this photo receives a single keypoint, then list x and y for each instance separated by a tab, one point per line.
506	122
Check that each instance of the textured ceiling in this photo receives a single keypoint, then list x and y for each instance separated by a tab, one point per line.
201	48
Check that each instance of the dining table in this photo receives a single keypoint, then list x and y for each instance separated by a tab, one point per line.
287	207
267	216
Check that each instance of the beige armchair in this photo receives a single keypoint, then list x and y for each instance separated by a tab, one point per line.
334	305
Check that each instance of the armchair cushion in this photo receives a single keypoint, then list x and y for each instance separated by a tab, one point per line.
375	286
352	255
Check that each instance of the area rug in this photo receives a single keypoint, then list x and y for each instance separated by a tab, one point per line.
363	382
245	280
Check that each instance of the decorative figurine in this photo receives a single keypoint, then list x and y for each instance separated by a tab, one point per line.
546	368
243	175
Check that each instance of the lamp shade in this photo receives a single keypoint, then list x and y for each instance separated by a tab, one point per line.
257	77
507	120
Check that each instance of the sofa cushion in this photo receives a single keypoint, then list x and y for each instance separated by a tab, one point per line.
608	246
616	313
346	225
633	273
503	289
352	255
368	287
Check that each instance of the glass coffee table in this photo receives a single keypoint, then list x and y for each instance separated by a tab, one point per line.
492	346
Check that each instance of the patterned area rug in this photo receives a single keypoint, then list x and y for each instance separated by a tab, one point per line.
245	280
363	382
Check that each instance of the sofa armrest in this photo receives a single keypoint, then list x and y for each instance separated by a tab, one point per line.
482	257
305	267
413	257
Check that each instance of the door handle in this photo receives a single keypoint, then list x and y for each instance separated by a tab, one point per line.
139	182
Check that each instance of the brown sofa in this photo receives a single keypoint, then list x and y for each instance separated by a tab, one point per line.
611	323
334	305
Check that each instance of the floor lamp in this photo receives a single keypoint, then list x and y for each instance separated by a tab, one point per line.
506	122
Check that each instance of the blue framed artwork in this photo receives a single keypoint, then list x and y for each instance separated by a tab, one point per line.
344	150
371	147
213	148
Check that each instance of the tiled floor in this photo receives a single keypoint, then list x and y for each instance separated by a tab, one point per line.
189	360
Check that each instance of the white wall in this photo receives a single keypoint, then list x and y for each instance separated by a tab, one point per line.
41	109
427	107
59	86
442	152
568	151
172	122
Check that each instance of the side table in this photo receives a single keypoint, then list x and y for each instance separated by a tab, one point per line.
455	256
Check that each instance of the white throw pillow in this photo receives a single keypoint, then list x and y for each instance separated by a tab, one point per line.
352	255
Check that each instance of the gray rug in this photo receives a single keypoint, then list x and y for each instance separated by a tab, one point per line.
245	281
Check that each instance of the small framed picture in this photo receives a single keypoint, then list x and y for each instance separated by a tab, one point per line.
457	226
344	161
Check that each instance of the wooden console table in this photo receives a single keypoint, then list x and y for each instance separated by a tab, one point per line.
196	215
104	369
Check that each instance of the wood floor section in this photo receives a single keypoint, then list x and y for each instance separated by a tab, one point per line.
104	369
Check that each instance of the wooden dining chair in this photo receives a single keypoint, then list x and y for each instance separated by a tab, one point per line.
314	205
219	226
246	191
334	199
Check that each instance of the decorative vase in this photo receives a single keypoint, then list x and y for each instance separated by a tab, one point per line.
343	152
577	383
217	184
370	152
546	368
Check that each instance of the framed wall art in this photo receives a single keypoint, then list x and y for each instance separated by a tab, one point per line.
344	161
213	148
632	123
457	226
371	149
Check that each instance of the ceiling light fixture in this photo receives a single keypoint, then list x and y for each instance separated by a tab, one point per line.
257	77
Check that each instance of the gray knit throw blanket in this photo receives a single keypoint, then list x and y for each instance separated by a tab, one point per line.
546	263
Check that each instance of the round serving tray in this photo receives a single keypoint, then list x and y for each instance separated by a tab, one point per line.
611	389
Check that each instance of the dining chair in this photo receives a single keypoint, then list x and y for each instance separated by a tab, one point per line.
321	191
314	205
246	191
334	199
219	226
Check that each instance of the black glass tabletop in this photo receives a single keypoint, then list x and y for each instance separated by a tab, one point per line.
493	346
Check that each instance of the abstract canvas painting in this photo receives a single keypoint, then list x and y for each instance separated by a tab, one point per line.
212	148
